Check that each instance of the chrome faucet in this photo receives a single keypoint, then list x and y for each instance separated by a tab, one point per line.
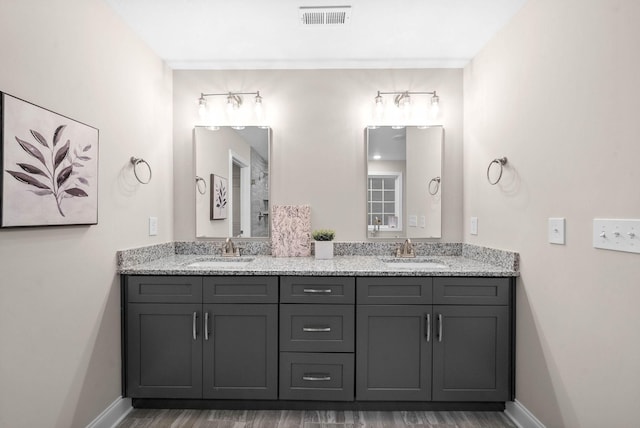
405	250
229	249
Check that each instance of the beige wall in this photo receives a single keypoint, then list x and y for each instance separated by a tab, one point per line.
318	119
557	92
59	292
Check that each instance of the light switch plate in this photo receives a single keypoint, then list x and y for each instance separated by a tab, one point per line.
474	225
617	234
413	220
153	226
557	230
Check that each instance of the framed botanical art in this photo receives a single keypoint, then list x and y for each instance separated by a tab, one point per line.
49	167
219	197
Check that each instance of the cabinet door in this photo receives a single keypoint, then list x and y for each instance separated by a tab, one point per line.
393	353
240	351
164	350
471	354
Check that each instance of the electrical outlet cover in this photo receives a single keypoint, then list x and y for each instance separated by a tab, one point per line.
557	230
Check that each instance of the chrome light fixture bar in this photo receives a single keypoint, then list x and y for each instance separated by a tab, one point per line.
234	101
402	100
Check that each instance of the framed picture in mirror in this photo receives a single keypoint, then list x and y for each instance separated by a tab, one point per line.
219	197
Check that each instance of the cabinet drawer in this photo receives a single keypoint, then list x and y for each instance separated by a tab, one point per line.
317	328
164	289
471	291
304	289
394	290
240	289
316	376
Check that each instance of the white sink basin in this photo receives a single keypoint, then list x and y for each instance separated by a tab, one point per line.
417	263
221	263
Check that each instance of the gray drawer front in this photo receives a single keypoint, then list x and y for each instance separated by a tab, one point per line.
317	328
164	289
240	289
471	291
394	290
327	289
316	376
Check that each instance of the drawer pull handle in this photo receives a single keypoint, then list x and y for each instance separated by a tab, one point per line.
439	327
206	326
312	377
427	327
317	329
317	290
195	319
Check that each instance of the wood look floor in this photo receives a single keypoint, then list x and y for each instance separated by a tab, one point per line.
174	418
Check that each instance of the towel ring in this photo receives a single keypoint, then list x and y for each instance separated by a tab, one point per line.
137	161
433	189
202	190
500	162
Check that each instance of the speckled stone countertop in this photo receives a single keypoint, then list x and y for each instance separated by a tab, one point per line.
178	264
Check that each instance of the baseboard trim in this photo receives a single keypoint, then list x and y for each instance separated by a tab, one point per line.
521	416
113	414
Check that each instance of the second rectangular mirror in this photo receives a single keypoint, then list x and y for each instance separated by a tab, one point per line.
232	181
404	174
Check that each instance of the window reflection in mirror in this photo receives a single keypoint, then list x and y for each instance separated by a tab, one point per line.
404	164
237	160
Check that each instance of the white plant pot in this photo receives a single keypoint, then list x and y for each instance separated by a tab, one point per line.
324	250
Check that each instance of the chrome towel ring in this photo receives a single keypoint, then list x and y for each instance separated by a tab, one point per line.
137	161
501	163
434	186
201	189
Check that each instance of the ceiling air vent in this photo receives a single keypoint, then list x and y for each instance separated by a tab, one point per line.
325	15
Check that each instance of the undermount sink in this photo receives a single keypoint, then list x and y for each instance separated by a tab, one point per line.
221	262
413	263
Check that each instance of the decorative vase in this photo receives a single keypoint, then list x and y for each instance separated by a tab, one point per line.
324	250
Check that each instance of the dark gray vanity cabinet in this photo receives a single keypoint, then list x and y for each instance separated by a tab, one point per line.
455	346
472	359
317	335
393	345
181	342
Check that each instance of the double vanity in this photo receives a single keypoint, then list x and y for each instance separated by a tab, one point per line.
364	331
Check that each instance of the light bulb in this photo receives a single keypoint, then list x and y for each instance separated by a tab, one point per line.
435	105
405	106
258	107
379	109
202	107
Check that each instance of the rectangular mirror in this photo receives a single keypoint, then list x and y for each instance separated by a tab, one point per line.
404	177
232	181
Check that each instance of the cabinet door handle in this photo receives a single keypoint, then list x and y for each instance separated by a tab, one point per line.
317	329
317	290
315	377
439	327
206	326
427	327
195	319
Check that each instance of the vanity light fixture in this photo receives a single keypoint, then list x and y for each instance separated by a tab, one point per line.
402	100
234	102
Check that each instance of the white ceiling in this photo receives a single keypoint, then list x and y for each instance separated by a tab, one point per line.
267	34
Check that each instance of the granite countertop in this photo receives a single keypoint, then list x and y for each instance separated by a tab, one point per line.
338	266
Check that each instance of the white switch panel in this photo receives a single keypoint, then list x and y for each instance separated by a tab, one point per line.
423	221
474	225
618	235
556	231
153	226
413	220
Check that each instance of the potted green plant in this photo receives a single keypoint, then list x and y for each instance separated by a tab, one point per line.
323	243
